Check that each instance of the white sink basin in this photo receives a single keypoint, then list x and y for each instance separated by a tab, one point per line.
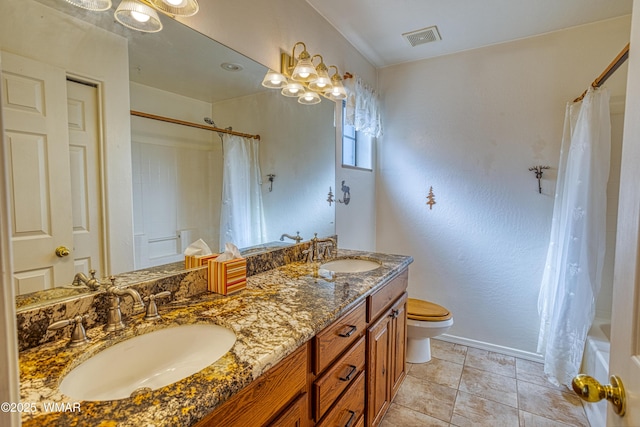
350	265
151	360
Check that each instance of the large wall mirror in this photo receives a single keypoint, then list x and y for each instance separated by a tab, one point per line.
130	192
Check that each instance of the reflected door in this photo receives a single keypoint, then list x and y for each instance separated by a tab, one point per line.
49	148
84	161
35	113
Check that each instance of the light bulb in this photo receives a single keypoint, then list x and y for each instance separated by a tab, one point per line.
140	17
321	85
294	90
173	2
308	97
304	75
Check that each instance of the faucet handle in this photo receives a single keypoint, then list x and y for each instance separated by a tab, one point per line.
152	308
78	333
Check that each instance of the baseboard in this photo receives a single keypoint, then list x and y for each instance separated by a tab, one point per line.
534	357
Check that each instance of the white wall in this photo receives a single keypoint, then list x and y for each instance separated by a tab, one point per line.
470	125
261	29
48	39
266	29
296	146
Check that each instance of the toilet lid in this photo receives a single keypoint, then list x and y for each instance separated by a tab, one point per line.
426	311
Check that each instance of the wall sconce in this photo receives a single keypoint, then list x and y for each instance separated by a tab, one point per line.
300	78
141	15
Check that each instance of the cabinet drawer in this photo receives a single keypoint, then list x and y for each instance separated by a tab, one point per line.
383	297
337	378
349	410
335	339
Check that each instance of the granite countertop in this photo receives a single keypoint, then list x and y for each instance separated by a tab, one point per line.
279	310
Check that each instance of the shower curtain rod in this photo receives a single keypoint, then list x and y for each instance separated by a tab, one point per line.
615	64
190	124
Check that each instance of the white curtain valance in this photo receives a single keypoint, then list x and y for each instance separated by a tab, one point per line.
363	107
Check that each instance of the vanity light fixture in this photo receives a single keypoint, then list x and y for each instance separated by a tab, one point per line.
274	80
138	16
304	70
300	78
176	7
142	15
95	5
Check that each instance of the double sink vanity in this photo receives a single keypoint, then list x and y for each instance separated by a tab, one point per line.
304	344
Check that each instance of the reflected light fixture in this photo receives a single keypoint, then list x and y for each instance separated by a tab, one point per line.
142	15
138	16
95	5
299	77
176	7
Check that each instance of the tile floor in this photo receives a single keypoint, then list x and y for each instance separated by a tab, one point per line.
465	386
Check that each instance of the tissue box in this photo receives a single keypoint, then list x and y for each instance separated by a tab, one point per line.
193	261
226	277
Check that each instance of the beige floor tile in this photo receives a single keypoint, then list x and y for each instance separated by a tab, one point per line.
400	416
533	372
490	386
448	351
491	362
474	411
438	371
552	404
429	398
532	420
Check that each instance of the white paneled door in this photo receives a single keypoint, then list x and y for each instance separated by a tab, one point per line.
43	216
84	162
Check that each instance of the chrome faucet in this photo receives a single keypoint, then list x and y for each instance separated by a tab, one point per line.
315	252
80	279
114	315
297	237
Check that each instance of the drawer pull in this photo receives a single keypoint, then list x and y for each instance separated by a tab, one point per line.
352	370
351	418
394	313
350	332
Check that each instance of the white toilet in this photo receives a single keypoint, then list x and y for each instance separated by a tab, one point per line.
425	320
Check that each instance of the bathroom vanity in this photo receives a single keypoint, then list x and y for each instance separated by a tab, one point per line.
314	347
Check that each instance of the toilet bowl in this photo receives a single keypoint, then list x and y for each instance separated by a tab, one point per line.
425	320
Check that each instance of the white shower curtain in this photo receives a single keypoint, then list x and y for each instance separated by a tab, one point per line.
242	216
575	257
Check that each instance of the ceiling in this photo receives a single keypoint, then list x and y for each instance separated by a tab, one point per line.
375	27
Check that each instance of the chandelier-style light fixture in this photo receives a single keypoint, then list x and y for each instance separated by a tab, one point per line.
299	77
142	15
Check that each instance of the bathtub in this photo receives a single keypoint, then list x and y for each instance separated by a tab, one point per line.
595	362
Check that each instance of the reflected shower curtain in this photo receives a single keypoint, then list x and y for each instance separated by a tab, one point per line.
242	216
575	257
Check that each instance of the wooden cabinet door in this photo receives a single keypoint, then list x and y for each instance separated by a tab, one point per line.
399	344
379	351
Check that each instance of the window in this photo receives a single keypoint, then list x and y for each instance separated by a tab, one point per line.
356	146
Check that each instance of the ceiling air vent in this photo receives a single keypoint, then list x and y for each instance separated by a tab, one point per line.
425	35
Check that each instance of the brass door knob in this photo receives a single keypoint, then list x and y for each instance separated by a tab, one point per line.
590	390
62	251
